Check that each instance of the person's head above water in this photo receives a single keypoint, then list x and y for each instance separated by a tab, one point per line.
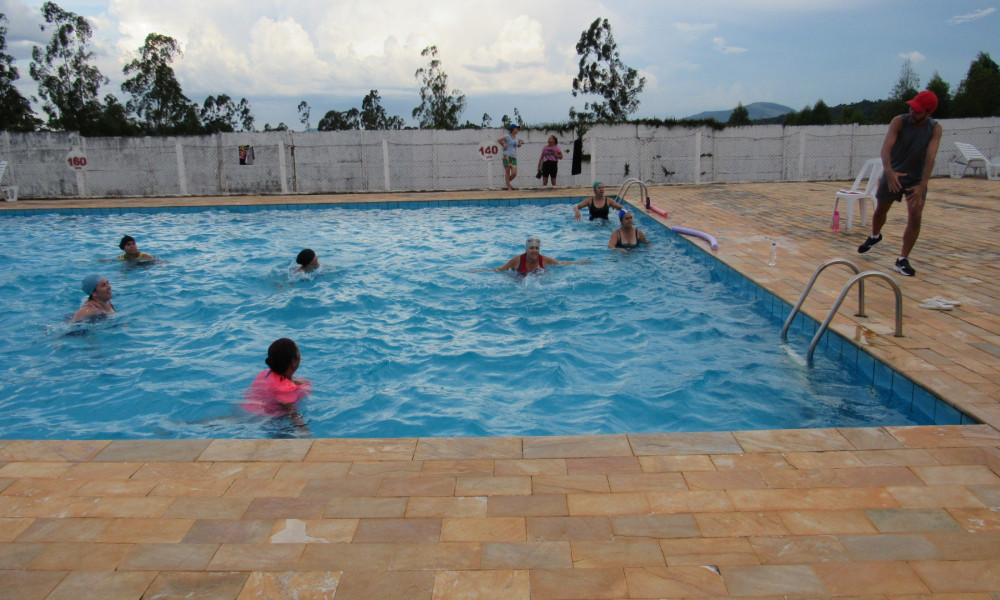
598	188
532	242
622	213
96	287
128	245
283	357
305	257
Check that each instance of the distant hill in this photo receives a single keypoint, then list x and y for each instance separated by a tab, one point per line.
757	110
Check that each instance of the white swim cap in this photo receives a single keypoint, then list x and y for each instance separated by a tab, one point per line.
533	241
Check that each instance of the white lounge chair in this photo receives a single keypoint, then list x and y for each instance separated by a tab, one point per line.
856	195
972	158
9	191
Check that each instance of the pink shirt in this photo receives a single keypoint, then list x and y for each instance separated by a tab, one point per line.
269	391
550	153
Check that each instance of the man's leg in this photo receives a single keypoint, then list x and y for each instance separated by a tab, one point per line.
879	216
913	218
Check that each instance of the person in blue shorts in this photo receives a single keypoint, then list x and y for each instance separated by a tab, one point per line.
510	144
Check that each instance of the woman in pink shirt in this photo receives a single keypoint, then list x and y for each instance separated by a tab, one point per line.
274	392
548	162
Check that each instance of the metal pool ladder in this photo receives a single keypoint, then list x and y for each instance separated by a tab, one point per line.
628	184
859	279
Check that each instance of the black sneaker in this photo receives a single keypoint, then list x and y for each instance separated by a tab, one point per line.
869	242
903	266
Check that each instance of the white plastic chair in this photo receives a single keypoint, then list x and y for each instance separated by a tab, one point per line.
9	191
972	158
856	195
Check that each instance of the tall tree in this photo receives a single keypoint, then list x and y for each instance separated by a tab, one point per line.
219	114
340	121
979	93
67	80
157	100
15	110
740	116
904	89
373	115
942	90
304	112
439	108
603	73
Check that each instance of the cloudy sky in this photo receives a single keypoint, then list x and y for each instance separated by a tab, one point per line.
696	56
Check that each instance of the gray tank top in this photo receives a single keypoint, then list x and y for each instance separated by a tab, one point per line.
910	152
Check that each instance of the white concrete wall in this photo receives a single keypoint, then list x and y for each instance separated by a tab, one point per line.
353	161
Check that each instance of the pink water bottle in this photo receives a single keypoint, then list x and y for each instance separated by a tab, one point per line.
836	221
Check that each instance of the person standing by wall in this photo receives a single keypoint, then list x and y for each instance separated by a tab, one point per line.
908	154
548	162
510	144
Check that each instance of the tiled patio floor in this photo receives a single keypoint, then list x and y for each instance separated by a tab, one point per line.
884	514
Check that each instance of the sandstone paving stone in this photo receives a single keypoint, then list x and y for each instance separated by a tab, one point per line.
647	482
418	486
196	586
966	546
208	508
638	552
366	508
34	488
542	505
443	556
171	470
957	475
313	531
394	585
229	531
766	580
346	557
935	496
490	529
451	506
675	582
553	529
256	450
10	529
482	585
664	526
268	488
823	460
210	488
630	503
578	584
62	530
20	555
245	470
465	468
400	530
896	458
947	436
146	531
708	551
763	460
723	480
799	479
256	557
28	585
168	557
537	466
115	487
740	524
282	586
51	450
444	448
659	444
989	495
811	499
84	556
890	547
569	484
869	438
103	585
361	449
286	508
977	519
902	520
819	522
792	440
152	450
38	470
492	486
603	466
853	579
676	463
526	555
689	502
878	477
804	549
576	446
382	468
351	486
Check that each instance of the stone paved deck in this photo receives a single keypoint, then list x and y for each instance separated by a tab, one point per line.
882	513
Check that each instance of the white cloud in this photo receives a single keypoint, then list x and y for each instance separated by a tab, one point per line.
914	57
692	31
720	45
977	14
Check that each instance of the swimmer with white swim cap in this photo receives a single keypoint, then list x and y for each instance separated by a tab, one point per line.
98	291
532	259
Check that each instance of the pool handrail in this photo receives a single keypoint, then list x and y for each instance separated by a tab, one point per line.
628	184
840	299
809	286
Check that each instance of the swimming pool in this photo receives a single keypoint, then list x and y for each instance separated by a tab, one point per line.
397	336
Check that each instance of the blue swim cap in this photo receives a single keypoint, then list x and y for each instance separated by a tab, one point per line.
622	213
90	283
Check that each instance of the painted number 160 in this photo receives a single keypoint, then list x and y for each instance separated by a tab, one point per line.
489	150
77	161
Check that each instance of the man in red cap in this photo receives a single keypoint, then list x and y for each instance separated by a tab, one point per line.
908	154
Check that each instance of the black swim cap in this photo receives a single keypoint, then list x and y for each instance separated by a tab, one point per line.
305	257
125	240
280	355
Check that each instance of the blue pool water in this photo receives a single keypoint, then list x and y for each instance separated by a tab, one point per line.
397	336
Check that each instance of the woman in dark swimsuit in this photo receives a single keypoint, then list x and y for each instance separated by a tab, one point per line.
532	260
599	205
98	291
626	236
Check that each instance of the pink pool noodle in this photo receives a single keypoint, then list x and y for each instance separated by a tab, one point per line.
659	211
708	238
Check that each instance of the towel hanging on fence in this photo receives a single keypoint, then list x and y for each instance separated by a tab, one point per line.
246	155
577	167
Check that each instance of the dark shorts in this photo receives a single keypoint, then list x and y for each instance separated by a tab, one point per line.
884	195
550	168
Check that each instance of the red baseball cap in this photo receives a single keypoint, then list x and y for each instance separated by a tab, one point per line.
924	101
